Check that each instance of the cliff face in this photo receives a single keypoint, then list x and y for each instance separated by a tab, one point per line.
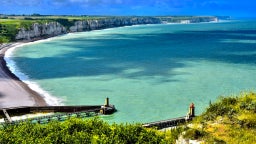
38	31
111	22
41	30
188	19
54	28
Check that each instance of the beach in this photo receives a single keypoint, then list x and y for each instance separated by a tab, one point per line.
14	92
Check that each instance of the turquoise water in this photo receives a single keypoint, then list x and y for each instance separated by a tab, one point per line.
150	72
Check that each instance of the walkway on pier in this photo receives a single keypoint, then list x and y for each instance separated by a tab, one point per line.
60	112
167	123
7	113
56	117
173	122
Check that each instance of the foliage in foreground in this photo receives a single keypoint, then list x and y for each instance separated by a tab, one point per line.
229	120
82	131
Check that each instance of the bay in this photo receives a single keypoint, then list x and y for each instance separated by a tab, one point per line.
149	72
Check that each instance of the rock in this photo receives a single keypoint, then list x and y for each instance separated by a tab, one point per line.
111	22
41	30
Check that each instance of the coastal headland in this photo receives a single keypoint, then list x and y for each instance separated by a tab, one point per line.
22	29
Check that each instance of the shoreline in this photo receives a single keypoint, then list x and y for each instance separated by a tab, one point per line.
12	87
13	91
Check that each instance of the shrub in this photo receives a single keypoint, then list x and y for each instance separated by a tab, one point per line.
229	120
194	134
81	131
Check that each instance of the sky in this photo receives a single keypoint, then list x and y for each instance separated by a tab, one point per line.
235	8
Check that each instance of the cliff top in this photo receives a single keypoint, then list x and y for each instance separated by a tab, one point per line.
11	24
229	120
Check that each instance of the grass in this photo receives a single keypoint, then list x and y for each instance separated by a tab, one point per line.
229	120
9	25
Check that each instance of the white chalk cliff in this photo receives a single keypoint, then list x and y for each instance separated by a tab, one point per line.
37	31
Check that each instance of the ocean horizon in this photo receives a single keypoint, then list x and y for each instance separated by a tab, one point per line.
149	72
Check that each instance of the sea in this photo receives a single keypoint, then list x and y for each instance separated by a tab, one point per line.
149	72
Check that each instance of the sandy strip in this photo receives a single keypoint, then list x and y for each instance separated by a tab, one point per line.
14	92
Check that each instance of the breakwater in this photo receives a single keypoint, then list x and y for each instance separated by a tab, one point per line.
105	109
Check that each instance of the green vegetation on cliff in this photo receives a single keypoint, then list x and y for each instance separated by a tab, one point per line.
10	25
8	30
229	120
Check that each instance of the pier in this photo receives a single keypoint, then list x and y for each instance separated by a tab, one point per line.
55	117
166	123
61	113
68	111
173	122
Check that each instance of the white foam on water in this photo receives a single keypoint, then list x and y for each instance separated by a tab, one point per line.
51	100
27	116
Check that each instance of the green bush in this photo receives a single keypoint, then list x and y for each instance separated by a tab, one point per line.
65	22
224	106
81	131
7	32
194	134
229	120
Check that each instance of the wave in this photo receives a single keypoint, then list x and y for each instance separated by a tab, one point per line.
49	99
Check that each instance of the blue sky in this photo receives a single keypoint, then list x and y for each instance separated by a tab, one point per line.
235	8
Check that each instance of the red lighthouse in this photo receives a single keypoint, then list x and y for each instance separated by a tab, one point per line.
192	110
